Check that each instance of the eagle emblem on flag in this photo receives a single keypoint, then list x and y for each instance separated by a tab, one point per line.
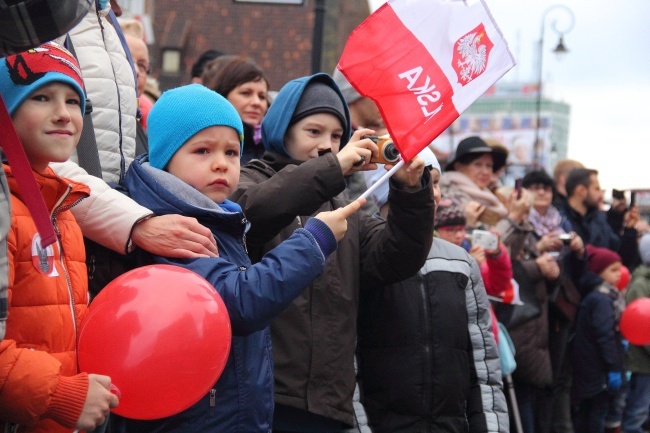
471	54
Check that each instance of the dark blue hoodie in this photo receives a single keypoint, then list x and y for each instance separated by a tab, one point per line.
277	119
242	398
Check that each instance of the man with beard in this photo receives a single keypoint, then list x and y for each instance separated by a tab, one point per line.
584	196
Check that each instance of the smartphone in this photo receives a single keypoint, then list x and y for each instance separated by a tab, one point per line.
632	198
518	185
565	238
487	240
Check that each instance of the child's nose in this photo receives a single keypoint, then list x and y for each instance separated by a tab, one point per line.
324	144
218	162
62	111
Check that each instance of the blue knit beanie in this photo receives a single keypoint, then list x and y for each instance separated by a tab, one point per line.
181	113
24	73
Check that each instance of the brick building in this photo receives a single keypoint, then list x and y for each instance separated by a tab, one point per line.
277	36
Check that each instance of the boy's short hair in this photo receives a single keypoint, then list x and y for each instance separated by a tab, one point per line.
24	73
180	114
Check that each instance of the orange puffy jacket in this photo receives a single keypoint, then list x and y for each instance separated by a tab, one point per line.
40	387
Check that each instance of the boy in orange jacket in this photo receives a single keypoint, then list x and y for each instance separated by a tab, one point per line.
41	388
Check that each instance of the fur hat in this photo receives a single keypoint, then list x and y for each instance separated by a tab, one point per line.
449	212
24	73
180	114
601	258
318	97
644	248
349	94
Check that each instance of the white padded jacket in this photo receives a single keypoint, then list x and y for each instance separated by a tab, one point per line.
110	85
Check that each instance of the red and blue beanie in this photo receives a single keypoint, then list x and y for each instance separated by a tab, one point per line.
24	73
181	113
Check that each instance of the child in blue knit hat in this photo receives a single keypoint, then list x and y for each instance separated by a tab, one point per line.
195	142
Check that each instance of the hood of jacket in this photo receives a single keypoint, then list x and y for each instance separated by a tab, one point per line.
276	121
164	193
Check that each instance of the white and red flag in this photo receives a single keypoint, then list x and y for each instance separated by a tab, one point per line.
424	62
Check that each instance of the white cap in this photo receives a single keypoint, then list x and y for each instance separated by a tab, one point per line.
380	195
349	94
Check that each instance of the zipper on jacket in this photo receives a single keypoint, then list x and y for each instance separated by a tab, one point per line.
55	211
426	397
244	221
213	400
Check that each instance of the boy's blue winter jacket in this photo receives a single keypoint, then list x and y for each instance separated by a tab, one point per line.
253	295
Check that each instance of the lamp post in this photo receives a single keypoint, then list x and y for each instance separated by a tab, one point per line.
560	49
317	40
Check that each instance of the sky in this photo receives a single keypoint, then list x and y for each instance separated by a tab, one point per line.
605	77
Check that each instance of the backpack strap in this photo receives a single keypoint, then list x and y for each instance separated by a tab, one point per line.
22	171
118	29
87	152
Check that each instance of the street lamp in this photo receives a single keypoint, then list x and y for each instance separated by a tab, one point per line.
317	39
560	49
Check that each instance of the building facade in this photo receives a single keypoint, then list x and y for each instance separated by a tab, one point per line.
277	34
507	114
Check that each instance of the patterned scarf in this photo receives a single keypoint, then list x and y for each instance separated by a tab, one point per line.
546	224
618	302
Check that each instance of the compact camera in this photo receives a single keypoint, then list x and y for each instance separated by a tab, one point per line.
388	153
488	240
565	238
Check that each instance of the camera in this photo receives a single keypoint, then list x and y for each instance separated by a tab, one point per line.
487	240
388	153
565	238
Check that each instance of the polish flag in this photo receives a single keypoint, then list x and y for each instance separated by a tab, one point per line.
424	62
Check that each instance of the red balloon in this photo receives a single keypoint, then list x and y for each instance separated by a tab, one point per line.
162	333
635	322
625	278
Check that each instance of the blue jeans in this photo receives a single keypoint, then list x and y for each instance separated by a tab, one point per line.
638	402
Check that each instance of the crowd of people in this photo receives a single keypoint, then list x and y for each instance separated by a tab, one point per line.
346	316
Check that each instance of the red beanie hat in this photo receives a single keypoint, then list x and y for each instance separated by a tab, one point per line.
601	258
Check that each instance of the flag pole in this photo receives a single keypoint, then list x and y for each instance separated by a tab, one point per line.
382	179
